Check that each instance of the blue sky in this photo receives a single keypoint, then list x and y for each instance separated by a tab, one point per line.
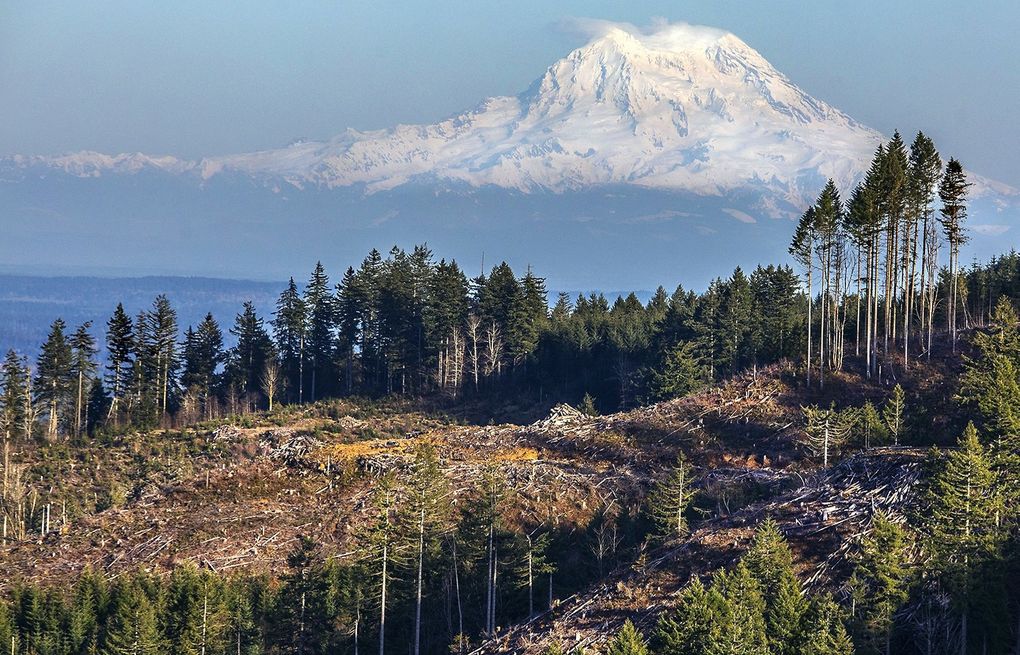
199	78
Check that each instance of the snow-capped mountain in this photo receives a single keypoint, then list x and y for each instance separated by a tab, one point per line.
685	122
686	108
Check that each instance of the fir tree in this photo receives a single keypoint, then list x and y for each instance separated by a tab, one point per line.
628	642
588	406
13	385
247	360
203	356
670	499
680	373
953	193
97	408
348	325
691	629
882	573
120	346
53	383
131	627
824	632
740	607
827	429
321	313
872	425
290	326
157	347
83	369
893	414
770	563
960	524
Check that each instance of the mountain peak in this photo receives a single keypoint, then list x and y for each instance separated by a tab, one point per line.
679	107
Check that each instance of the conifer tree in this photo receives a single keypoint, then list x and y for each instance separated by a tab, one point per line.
13	384
802	249
827	429
671	498
953	193
740	608
735	344
628	642
83	368
53	378
132	627
203	356
97	409
882	573
770	563
290	325
247	360
348	312
872	425
990	382
893	414
925	168
120	346
427	510
824	633
88	601
321	313
865	222
893	203
692	628
960	524
368	281
530	314
383	548
157	346
680	373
